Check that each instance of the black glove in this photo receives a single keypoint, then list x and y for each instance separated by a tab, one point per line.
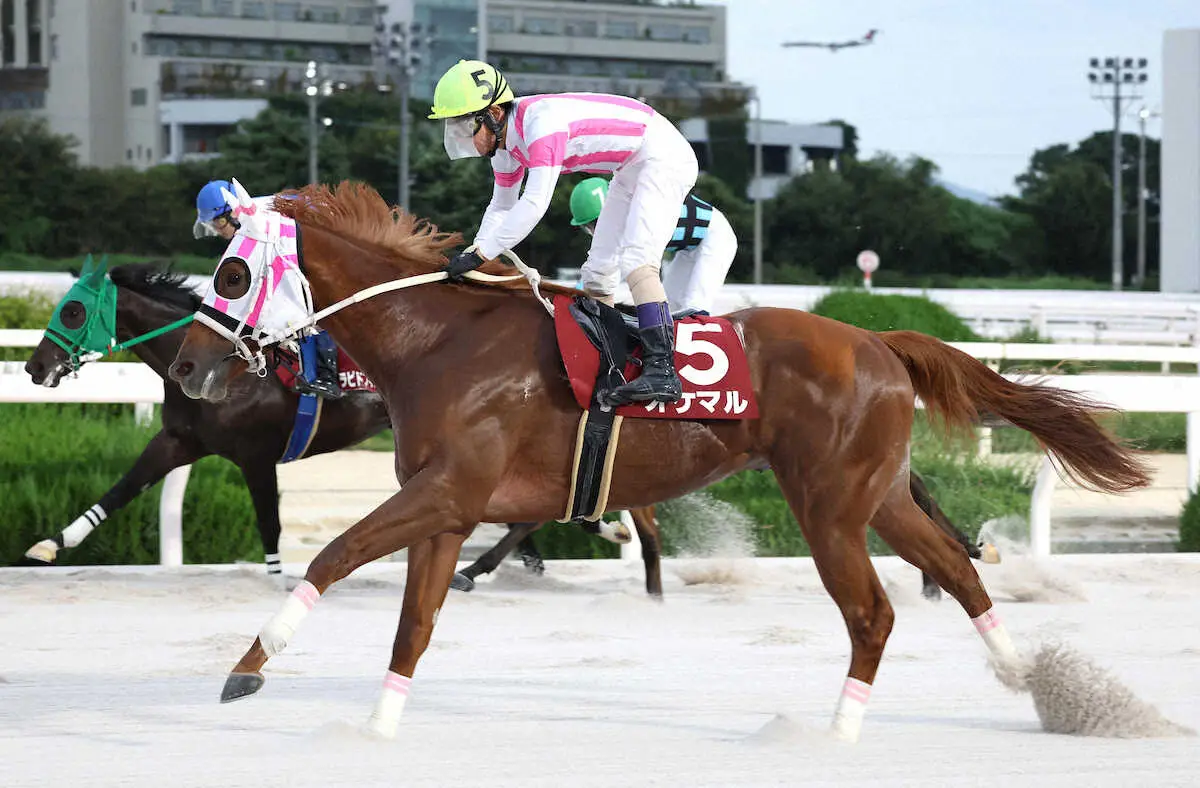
461	263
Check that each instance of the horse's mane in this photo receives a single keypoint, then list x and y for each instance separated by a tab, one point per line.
355	211
156	283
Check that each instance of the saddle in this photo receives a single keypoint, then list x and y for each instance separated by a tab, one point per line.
601	350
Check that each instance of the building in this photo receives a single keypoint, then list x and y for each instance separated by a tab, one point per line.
1180	217
138	82
788	149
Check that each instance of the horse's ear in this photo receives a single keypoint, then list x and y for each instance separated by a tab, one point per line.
245	209
88	267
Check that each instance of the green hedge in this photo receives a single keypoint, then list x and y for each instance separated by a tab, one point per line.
56	460
1189	525
892	312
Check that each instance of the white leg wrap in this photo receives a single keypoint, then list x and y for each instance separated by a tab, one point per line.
852	705
77	531
386	717
615	531
995	636
278	631
273	565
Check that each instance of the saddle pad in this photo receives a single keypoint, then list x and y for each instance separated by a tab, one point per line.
350	377
709	358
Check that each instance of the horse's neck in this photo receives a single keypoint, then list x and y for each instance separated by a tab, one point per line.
137	315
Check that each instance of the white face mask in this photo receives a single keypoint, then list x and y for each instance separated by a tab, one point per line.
459	138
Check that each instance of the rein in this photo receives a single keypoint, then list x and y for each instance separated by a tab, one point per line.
137	340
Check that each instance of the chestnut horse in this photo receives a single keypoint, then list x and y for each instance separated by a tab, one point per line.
473	372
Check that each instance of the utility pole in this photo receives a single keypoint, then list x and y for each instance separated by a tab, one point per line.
401	45
1144	114
758	186
1107	81
315	85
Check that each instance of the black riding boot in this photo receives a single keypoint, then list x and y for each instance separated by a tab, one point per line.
658	381
326	382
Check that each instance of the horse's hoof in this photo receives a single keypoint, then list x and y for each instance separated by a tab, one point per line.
43	553
240	685
461	582
534	565
616	532
932	593
989	554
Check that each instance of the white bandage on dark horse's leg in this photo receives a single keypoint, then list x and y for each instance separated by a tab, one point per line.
645	285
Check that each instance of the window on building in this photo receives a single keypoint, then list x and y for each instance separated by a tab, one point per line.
149	154
621	28
540	25
584	28
361	15
133	47
222	7
54	47
33	38
188	7
165	137
501	23
664	31
324	13
287	12
221	47
254	9
697	35
254	50
128	154
775	158
137	97
8	45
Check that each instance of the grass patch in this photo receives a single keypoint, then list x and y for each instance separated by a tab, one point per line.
892	312
56	460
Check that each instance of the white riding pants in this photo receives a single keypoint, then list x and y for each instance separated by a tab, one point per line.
693	278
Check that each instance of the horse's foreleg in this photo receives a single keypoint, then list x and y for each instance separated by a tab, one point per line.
423	508
486	563
163	454
647	527
263	482
430	567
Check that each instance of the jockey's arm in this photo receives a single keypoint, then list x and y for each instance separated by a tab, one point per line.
545	163
519	222
508	174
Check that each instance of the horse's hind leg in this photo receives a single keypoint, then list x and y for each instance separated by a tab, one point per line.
164	453
834	521
647	529
486	563
916	539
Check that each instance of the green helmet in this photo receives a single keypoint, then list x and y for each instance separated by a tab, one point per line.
469	86
587	198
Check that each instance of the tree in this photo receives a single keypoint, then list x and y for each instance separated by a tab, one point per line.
1066	193
269	153
40	168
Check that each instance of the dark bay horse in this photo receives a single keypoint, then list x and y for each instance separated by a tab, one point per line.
250	429
473	372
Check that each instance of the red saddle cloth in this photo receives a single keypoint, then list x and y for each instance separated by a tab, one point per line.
709	358
350	377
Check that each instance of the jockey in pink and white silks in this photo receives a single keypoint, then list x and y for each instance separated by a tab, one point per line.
534	139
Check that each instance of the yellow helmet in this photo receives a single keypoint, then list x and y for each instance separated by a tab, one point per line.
469	86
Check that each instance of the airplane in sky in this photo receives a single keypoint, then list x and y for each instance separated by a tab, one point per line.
869	38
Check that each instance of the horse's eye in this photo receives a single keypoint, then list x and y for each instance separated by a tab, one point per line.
72	315
233	279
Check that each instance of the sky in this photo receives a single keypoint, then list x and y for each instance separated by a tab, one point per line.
976	86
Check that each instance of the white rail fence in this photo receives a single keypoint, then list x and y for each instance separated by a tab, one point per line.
1135	392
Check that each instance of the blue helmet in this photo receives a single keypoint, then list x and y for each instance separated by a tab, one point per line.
210	203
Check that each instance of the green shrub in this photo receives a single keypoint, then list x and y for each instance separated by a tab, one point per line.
892	312
1189	525
56	460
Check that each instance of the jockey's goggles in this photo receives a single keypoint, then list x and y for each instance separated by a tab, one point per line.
459	136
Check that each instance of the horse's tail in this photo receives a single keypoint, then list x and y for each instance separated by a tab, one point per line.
959	391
